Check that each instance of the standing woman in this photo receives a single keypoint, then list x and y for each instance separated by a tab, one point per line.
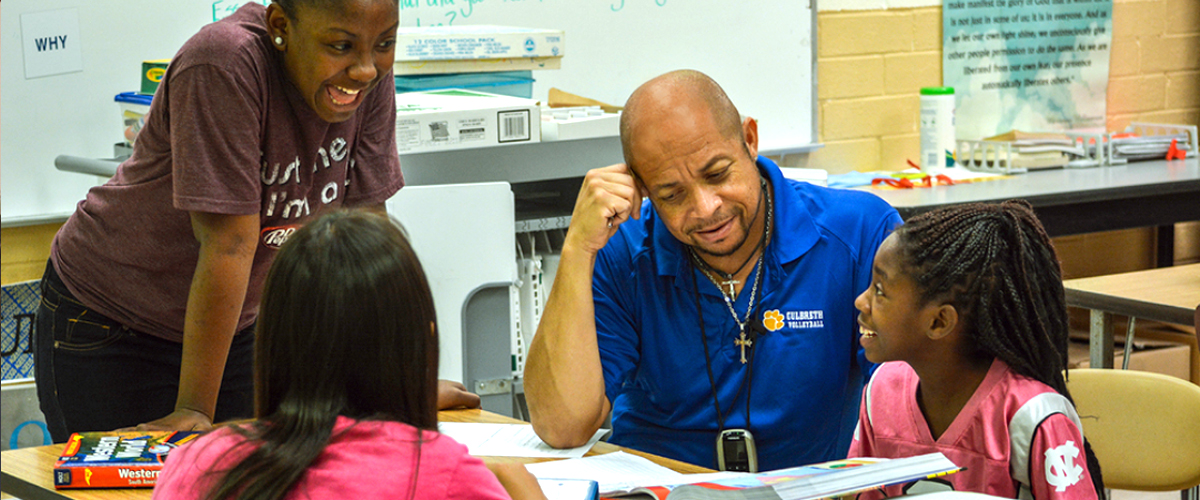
263	120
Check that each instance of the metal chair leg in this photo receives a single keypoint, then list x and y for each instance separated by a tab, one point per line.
1128	343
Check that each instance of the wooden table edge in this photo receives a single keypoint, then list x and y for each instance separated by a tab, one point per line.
22	489
1129	307
30	490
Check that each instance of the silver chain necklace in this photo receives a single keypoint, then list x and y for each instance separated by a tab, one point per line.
742	341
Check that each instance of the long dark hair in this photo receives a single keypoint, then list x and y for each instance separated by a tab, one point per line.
346	328
997	266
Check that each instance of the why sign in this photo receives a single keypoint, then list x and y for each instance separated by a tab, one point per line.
51	43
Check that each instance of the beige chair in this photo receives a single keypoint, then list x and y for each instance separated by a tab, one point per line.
1144	427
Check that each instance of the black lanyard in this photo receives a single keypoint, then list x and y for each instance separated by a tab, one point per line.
747	382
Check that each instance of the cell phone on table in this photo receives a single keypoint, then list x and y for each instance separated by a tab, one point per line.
736	451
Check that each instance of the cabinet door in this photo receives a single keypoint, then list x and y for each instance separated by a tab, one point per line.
464	235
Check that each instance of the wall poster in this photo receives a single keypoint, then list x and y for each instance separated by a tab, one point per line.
1031	65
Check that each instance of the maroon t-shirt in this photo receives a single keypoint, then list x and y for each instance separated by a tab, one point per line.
229	134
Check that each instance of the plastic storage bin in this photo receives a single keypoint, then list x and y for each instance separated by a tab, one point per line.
134	107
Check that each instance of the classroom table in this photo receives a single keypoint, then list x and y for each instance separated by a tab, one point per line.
1167	294
26	472
600	448
1070	201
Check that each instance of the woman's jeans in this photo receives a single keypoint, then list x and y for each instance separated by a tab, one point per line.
94	374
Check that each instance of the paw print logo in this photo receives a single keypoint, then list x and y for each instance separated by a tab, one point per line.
772	320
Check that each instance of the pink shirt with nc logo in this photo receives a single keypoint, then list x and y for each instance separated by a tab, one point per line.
1016	437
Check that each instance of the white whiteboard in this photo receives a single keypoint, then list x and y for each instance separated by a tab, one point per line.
761	53
74	113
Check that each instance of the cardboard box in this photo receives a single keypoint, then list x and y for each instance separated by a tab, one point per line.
476	42
152	75
578	122
445	120
1166	358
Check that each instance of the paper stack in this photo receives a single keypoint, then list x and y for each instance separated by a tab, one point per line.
1036	150
1134	147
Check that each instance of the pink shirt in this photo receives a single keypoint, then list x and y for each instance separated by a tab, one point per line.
1016	437
364	459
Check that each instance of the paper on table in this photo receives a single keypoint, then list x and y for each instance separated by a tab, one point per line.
509	440
956	174
620	472
614	471
964	175
569	489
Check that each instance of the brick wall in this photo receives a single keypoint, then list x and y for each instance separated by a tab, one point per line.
1155	70
872	64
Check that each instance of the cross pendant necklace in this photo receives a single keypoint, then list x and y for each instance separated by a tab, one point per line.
730	283
728	280
743	343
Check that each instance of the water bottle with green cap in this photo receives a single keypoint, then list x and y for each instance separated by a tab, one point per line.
937	129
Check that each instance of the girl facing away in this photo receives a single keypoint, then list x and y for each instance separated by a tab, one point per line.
346	362
966	311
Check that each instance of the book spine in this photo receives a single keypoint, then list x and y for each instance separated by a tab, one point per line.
111	476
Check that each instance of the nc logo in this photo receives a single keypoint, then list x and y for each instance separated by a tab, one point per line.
1061	470
529	45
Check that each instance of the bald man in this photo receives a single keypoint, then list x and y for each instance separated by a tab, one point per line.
717	315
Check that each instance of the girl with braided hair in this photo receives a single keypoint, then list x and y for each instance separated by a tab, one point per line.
966	312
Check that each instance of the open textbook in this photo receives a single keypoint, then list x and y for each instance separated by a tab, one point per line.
826	480
624	475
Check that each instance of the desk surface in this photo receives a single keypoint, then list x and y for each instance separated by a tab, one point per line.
1078	200
1168	294
26	471
599	448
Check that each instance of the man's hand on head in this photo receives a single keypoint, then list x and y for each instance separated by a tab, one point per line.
609	196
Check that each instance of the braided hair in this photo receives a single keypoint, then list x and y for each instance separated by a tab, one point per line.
997	266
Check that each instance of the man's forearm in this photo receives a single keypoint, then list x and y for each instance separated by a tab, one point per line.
564	382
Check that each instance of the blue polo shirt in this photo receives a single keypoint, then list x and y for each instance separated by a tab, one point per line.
807	372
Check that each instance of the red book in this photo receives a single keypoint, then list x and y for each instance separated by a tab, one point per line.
116	459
